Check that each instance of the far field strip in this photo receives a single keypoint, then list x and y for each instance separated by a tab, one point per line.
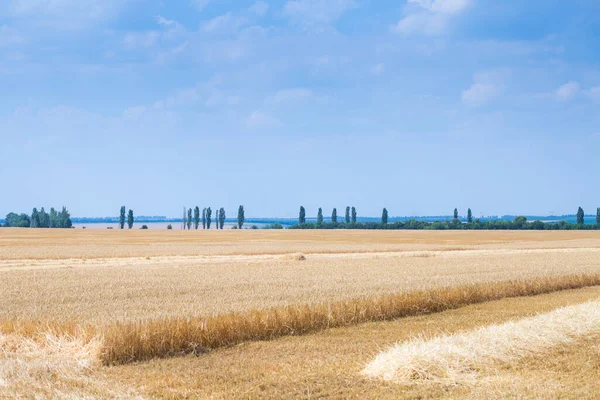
37	264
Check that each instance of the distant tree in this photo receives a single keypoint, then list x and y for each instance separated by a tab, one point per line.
189	219
216	218
144	227
384	216
122	217
353	215
204	218
347	219
196	217
598	216
222	217
169	227
130	219
302	215
35	218
334	216
580	216
241	217
469	216
53	218
17	221
184	220
65	218
208	217
44	219
456	213
320	216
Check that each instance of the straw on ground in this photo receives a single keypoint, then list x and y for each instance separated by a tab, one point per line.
455	358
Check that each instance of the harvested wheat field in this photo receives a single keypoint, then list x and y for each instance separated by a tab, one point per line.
112	304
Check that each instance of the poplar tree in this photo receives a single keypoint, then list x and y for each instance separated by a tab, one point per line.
122	217
208	217
130	219
384	216
469	216
35	219
241	217
196	217
334	216
189	219
302	215
320	216
204	218
347	214
222	217
353	215
456	213
598	216
44	219
580	216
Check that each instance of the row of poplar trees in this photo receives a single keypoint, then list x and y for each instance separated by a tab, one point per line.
130	218
350	215
192	218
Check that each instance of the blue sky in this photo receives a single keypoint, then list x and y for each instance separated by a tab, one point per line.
419	106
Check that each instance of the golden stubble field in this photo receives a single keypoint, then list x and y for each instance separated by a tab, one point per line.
133	295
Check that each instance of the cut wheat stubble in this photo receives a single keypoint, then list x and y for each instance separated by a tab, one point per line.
457	358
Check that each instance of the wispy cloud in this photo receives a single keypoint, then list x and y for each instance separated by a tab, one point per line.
429	17
171	29
485	87
568	91
200	4
259	8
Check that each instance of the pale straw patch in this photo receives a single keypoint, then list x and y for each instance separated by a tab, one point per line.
52	367
455	358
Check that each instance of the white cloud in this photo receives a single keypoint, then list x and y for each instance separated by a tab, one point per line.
479	94
200	4
311	12
226	23
429	17
259	8
442	6
171	30
486	86
567	91
260	119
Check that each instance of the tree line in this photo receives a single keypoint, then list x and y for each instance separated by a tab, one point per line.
40	219
519	223
193	219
